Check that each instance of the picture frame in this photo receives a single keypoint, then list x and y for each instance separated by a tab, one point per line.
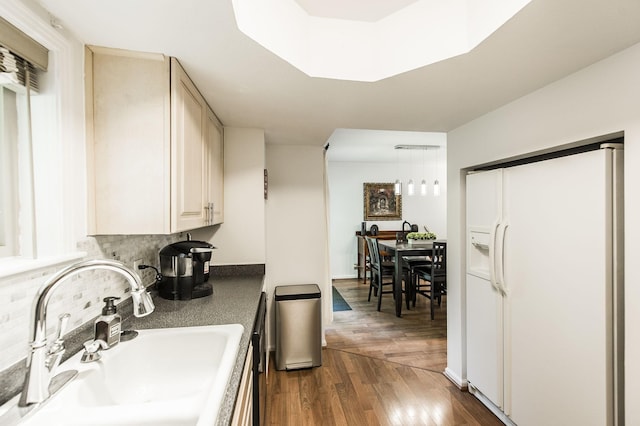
381	202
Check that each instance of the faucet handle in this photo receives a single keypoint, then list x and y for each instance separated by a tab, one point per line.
58	344
56	350
63	321
92	350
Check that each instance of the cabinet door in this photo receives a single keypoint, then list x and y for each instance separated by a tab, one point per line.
243	410
215	181
189	153
128	142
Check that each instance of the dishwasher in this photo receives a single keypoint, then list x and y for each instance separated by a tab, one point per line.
259	367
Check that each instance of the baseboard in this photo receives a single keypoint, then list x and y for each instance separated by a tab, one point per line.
345	277
491	406
455	379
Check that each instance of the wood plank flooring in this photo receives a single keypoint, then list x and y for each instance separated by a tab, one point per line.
412	340
377	369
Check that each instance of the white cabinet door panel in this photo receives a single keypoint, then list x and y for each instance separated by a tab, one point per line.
216	169
189	159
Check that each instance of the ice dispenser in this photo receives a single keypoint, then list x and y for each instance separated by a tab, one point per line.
478	252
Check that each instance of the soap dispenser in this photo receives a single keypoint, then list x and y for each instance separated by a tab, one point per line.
107	326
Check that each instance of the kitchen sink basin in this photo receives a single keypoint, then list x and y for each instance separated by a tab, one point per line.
172	376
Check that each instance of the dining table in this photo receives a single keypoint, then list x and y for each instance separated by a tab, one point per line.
398	250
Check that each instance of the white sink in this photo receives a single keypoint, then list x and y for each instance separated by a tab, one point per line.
171	376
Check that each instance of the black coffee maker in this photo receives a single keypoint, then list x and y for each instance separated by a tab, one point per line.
185	270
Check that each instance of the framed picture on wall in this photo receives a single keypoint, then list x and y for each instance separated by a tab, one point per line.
381	202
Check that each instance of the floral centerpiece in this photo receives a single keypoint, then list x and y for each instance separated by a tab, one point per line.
418	237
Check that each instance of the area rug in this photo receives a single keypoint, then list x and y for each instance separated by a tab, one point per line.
339	304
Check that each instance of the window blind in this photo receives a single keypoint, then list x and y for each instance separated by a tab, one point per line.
20	55
17	70
23	45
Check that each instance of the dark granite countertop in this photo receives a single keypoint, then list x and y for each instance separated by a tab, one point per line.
234	300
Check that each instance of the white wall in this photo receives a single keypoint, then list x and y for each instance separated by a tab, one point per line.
244	204
296	225
347	210
601	99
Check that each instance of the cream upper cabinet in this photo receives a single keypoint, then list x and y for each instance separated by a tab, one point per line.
215	147
148	145
188	153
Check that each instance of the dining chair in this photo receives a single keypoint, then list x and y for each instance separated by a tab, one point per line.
379	271
409	265
435	275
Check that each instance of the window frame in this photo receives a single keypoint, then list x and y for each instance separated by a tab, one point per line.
8	155
59	162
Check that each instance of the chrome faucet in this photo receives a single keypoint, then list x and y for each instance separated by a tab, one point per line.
42	362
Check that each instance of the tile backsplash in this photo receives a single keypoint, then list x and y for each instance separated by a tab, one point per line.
81	295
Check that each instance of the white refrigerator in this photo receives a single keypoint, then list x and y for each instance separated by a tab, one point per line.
544	289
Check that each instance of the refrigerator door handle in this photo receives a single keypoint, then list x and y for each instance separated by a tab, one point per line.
502	232
492	255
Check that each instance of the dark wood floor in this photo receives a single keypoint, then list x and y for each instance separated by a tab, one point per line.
377	369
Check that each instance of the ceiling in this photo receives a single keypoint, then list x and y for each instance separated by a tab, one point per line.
356	10
413	36
248	86
378	146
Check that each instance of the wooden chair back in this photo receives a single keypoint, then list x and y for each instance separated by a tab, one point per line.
439	259
374	253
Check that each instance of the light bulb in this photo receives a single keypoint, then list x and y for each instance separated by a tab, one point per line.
398	187
410	187
423	187
436	188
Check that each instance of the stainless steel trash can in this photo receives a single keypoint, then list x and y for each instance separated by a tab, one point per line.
298	326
